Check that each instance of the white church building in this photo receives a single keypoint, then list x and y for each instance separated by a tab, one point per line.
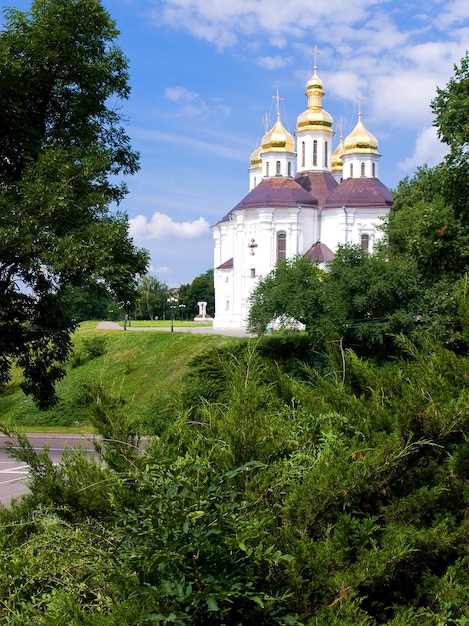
304	201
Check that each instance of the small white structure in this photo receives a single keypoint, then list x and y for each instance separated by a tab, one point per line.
202	315
304	202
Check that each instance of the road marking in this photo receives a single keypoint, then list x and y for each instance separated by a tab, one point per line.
13	480
21	469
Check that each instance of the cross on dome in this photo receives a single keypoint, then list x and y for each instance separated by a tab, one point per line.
359	100
315	57
277	99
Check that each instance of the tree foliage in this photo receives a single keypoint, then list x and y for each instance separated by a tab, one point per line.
291	293
339	499
152	298
363	300
450	109
201	289
63	147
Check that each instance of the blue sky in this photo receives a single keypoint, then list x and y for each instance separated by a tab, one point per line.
203	74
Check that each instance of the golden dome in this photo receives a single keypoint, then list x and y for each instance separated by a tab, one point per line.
256	158
314	82
361	140
278	139
336	156
314	116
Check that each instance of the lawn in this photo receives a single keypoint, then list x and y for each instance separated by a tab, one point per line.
143	371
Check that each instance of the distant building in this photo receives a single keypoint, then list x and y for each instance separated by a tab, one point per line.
307	201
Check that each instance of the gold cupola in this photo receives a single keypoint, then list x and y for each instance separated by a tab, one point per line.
360	140
278	139
256	158
336	157
315	117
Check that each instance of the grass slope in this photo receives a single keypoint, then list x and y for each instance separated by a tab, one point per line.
143	370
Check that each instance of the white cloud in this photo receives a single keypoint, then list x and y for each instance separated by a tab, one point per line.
222	23
191	104
162	270
162	227
274	62
428	150
180	94
454	12
391	54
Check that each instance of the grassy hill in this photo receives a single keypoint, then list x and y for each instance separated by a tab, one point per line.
141	370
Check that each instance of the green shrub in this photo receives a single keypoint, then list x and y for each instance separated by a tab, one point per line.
95	345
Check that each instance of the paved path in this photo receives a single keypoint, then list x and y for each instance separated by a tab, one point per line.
199	330
14	474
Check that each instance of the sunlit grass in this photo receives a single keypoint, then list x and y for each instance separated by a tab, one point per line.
142	370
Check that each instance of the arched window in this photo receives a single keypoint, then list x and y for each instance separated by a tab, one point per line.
351	170
362	169
365	242
326	150
289	168
255	181
315	152
281	246
267	169
277	169
373	170
303	154
253	272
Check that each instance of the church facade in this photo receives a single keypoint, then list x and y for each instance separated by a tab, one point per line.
307	200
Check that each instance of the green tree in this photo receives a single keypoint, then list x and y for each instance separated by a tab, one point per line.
292	292
362	301
451	107
201	289
151	298
83	305
371	299
63	147
425	226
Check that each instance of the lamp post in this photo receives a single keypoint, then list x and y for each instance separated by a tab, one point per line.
172	305
181	308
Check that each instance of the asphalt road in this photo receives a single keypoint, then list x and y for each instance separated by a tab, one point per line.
14	475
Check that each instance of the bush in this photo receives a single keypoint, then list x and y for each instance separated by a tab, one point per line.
94	346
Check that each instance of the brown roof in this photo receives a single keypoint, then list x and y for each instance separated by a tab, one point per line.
276	192
320	252
227	265
317	183
359	192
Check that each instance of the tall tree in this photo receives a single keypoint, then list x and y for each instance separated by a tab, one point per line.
201	289
62	149
451	109
151	300
86	306
292	291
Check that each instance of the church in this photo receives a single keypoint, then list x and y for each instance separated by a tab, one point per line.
304	201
